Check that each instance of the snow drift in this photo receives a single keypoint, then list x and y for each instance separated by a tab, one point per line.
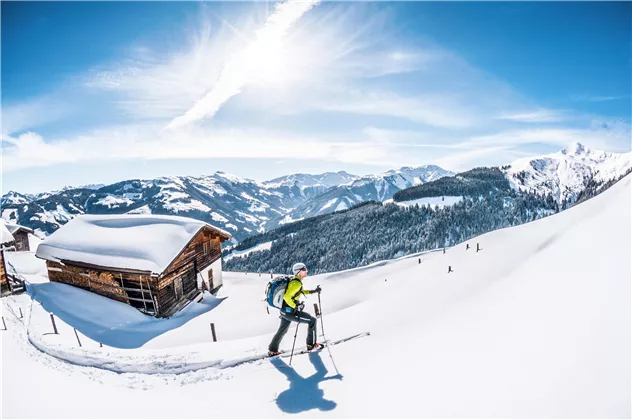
536	324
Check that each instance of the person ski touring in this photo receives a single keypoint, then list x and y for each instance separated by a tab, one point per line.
292	311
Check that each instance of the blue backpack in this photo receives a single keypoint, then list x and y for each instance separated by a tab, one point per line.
276	289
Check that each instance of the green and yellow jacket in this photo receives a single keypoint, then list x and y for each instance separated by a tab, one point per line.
292	293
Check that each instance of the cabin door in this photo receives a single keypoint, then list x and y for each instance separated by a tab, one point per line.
177	285
210	279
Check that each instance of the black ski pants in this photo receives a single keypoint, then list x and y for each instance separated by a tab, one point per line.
286	319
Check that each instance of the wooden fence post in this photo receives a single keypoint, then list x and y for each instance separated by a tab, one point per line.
213	332
77	335
52	319
450	269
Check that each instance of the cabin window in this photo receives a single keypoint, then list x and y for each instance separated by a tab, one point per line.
207	248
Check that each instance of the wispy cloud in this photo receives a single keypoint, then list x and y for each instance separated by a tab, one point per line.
264	50
151	141
535	116
30	114
432	110
587	98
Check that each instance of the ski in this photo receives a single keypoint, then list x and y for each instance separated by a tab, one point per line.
303	350
229	363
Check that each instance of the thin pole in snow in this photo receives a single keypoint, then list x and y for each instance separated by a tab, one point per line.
21	316
52	319
77	335
213	332
5	325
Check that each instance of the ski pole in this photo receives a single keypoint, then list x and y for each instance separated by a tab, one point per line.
293	344
322	327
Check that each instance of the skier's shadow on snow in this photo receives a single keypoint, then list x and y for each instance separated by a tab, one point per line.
304	393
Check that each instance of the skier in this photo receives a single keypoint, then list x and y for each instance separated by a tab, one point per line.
292	311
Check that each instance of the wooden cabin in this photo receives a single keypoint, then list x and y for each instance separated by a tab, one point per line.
21	236
7	242
157	264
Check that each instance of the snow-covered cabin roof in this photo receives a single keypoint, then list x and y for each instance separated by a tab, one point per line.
129	241
5	235
13	228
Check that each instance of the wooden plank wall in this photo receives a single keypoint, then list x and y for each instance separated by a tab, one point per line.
133	289
3	274
21	241
198	252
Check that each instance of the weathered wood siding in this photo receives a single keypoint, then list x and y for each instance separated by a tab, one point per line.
202	250
21	240
3	273
134	289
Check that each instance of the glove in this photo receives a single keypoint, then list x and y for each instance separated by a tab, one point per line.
317	289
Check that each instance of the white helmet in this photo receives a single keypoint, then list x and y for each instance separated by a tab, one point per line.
298	267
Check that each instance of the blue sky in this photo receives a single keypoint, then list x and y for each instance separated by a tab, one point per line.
96	92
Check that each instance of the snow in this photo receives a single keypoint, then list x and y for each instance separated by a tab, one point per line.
247	216
437	202
8	214
239	254
137	242
141	210
218	217
341	206
231	226
112	201
535	325
5	235
288	219
179	206
34	242
329	204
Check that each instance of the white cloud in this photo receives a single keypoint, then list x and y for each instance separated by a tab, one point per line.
587	98
150	141
432	110
18	117
536	116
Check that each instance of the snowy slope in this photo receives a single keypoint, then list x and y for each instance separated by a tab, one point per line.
565	174
520	329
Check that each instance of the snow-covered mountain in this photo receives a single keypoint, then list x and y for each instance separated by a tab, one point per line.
13	197
239	205
328	179
378	187
566	173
